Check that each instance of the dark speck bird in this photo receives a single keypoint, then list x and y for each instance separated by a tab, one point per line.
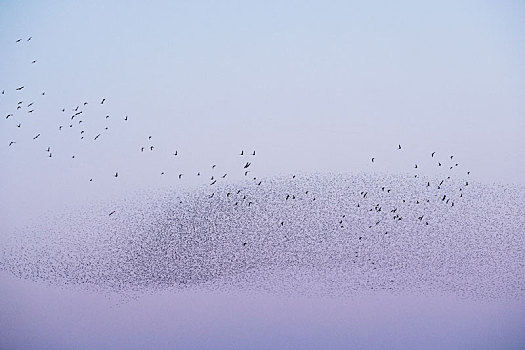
113	212
102	102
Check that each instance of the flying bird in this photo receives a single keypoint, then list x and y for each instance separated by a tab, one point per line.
102	102
12	143
116	174
180	175
113	212
34	138
19	88
398	146
373	160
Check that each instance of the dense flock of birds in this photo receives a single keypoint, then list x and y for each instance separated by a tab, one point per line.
335	234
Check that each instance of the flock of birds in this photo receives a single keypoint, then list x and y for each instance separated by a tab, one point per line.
363	231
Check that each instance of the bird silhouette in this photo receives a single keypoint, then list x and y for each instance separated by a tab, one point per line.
34	138
398	146
12	143
113	212
20	88
373	160
116	174
102	102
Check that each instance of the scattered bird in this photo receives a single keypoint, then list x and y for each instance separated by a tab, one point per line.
113	212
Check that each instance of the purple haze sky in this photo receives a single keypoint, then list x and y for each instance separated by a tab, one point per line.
313	86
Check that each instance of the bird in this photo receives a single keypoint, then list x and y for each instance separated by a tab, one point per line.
126	118
242	153
253	153
149	137
151	148
116	174
34	138
19	40
18	125
102	102
48	149
34	61
415	166
96	137
142	149
176	152
373	160
107	116
451	157
223	176
9	115
12	143
113	212
398	146
29	39
213	166
432	155
180	175
19	88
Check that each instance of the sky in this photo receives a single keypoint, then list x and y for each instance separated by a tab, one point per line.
312	86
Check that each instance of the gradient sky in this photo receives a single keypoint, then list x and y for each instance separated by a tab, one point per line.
313	86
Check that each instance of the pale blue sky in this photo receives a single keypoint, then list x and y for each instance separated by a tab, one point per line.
313	86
